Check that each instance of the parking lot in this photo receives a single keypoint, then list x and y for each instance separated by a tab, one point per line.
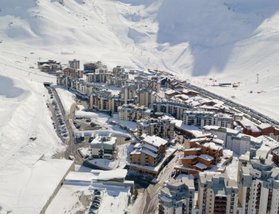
57	117
83	124
96	202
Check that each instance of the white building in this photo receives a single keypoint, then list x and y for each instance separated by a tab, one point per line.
234	140
217	194
258	186
205	118
103	145
178	196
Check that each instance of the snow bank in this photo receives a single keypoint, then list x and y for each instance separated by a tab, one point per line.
183	37
28	187
67	99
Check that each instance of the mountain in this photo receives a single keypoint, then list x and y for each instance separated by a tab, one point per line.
223	40
202	41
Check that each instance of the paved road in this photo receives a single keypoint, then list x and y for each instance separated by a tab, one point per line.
255	115
151	193
72	147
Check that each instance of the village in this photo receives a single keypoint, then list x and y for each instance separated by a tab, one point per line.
144	138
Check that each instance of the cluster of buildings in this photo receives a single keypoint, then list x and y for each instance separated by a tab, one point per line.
210	133
254	191
201	155
150	154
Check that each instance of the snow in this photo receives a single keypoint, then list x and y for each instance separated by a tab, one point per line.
104	163
27	183
266	147
115	200
189	157
78	177
201	166
109	175
68	200
148	152
155	169
67	99
23	115
98	118
232	169
155	141
196	131
206	157
154	34
169	35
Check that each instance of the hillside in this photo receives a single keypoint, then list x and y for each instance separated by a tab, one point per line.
202	41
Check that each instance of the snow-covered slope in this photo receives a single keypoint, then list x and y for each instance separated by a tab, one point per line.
226	40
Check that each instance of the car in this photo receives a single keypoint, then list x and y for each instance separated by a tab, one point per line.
154	181
97	192
96	204
97	200
71	157
93	207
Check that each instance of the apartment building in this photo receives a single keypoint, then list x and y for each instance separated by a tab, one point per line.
145	97
133	112
75	64
91	67
103	146
151	151
129	93
72	73
258	186
204	118
162	127
50	66
119	77
99	75
234	140
104	101
202	155
176	109
178	196
217	194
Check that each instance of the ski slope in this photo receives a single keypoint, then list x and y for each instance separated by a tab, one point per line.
226	40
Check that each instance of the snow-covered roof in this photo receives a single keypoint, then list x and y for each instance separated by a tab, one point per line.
109	174
213	146
192	149
170	91
264	125
114	200
148	152
188	157
66	197
206	157
155	140
194	130
150	147
109	140
201	166
79	177
27	189
218	141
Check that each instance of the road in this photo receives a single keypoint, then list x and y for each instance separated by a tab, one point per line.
72	147
151	193
255	115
